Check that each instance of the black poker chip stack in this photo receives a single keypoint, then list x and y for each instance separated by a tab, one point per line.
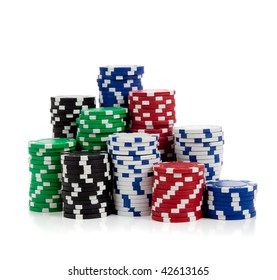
86	185
64	112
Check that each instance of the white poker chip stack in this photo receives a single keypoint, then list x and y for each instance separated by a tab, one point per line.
133	156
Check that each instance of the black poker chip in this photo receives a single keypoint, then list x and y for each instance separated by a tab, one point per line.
86	194
87	206
93	191
86	197
100	169
72	100
82	200
92	186
86	216
89	211
84	155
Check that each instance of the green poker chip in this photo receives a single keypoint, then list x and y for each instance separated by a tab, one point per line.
45	210
45	183
99	118
43	192
101	126
102	130
36	193
34	188
50	158
47	176
44	171
54	152
106	111
52	143
99	122
45	164
45	205
46	200
47	167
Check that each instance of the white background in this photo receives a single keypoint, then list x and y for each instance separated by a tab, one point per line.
220	57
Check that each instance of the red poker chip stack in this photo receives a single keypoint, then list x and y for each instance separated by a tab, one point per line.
153	111
178	191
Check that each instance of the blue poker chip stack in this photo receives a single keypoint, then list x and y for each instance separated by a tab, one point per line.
133	156
202	144
115	82
230	200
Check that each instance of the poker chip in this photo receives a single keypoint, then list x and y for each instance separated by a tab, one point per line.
178	185
203	144
95	125
133	156
230	199
115	83
45	168
86	181
153	111
64	112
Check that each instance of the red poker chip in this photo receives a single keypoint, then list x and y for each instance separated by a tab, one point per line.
177	193
151	114
132	106
149	110
187	205
176	210
179	167
153	119
177	215
154	123
151	92
175	220
182	186
158	98
178	177
176	199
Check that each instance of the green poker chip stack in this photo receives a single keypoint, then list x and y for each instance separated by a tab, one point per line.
45	167
95	125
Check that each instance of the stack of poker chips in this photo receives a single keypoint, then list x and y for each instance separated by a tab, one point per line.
115	82
64	112
133	156
230	200
201	144
153	111
178	192
45	166
86	185
95	125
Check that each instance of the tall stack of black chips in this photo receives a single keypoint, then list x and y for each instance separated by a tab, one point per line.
64	112
86	185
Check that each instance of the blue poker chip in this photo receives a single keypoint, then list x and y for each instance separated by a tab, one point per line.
133	186
134	179
233	217
218	194
124	70
118	84
134	157
231	199
230	212
199	144
222	204
129	197
133	213
113	89
126	202
119	78
135	171
128	175
230	208
215	158
137	148
131	144
134	153
230	186
132	166
200	140
138	192
208	153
